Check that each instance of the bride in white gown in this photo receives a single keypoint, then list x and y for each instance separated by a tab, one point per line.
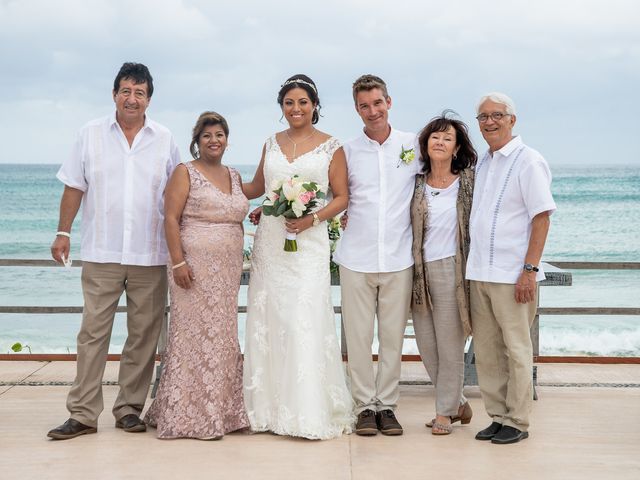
294	381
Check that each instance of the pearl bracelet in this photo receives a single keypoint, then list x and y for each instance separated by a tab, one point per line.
178	265
63	234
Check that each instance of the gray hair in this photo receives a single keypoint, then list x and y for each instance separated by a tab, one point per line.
498	97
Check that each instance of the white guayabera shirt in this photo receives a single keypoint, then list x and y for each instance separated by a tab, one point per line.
123	205
511	187
378	236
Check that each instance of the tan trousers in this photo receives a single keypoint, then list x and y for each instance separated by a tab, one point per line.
440	337
102	286
365	295
504	355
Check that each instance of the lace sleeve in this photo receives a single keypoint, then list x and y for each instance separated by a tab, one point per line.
270	143
330	147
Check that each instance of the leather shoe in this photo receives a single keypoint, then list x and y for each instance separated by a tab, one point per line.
131	423
388	423
366	424
489	432
70	429
509	434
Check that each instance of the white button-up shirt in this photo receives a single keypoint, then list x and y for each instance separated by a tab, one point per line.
511	187
378	236
123	204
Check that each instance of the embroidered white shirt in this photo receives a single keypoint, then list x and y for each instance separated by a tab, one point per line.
378	236
511	187
123	204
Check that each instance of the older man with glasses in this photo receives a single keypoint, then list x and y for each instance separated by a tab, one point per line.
512	203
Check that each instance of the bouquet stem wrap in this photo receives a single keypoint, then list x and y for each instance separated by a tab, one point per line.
290	243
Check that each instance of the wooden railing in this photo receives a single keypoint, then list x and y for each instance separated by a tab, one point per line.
555	276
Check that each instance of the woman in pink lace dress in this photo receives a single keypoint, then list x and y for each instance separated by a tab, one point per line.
200	392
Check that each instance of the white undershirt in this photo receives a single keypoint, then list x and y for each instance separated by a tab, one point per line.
441	240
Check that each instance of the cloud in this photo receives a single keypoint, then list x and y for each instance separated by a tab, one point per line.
567	64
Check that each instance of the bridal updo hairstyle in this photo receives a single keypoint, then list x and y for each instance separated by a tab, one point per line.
290	83
466	156
205	120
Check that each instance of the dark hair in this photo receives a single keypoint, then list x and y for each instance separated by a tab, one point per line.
466	155
308	86
137	72
205	120
368	82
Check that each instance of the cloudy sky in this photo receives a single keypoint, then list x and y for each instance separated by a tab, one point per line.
572	67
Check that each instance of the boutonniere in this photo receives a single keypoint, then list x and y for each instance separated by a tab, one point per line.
406	156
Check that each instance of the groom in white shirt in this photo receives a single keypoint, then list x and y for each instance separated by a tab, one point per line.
374	254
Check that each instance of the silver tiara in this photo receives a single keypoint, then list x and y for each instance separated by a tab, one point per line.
298	80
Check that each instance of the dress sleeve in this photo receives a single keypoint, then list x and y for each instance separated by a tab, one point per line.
332	145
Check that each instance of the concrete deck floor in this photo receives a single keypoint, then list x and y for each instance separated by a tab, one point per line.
576	433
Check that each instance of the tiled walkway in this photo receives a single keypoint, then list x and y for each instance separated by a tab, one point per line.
576	433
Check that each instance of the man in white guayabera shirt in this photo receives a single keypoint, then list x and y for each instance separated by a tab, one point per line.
374	254
512	203
118	170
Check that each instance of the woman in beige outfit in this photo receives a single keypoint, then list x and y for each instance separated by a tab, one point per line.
440	211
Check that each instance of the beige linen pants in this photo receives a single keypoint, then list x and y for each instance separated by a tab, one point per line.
504	354
365	295
440	336
102	286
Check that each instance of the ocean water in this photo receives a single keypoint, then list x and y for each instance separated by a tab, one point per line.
598	219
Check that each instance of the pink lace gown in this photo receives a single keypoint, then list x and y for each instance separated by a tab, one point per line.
200	391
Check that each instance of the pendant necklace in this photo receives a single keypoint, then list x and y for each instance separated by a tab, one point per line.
300	141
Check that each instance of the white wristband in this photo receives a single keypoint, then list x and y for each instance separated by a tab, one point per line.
178	265
63	234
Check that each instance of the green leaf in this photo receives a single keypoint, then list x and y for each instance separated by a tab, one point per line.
16	347
268	211
289	214
281	209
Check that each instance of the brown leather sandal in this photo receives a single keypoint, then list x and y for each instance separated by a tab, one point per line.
464	416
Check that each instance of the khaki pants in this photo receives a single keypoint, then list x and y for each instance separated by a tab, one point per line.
504	355
440	336
365	295
102	286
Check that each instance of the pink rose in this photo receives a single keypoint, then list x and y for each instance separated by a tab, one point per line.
306	197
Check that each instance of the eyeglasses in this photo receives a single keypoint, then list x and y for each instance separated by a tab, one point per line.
495	116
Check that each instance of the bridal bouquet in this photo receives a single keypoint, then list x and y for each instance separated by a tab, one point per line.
292	198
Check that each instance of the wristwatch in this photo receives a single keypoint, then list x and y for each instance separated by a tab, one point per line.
316	219
530	268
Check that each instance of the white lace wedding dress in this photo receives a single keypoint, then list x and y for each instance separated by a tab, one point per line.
294	381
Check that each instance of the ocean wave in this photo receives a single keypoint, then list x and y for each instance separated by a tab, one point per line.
592	342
